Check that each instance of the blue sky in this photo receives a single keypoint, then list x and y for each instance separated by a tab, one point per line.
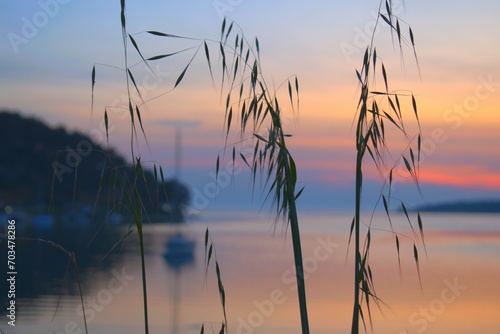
49	47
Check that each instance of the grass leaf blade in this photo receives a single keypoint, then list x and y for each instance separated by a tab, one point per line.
93	85
106	125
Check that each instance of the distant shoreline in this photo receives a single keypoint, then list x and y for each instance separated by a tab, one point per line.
484	206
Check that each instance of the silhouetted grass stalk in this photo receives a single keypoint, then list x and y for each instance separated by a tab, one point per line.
299	267
241	72
370	137
131	195
209	251
135	206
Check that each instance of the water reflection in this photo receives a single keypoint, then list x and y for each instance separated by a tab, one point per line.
43	269
254	265
179	253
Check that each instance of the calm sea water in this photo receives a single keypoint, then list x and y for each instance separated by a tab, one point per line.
459	270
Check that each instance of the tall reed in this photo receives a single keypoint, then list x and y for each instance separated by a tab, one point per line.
375	109
130	197
258	108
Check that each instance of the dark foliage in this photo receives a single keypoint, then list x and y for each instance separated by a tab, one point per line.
44	167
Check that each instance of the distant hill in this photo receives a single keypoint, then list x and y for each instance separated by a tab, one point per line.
485	206
40	165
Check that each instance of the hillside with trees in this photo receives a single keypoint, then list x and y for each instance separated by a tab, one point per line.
51	169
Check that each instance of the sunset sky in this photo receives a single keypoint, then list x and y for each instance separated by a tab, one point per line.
48	49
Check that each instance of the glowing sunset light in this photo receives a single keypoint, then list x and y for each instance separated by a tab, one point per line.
67	64
462	176
456	96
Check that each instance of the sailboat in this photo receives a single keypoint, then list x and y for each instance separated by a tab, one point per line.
179	250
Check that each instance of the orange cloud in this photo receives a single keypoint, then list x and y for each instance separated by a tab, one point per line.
461	176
